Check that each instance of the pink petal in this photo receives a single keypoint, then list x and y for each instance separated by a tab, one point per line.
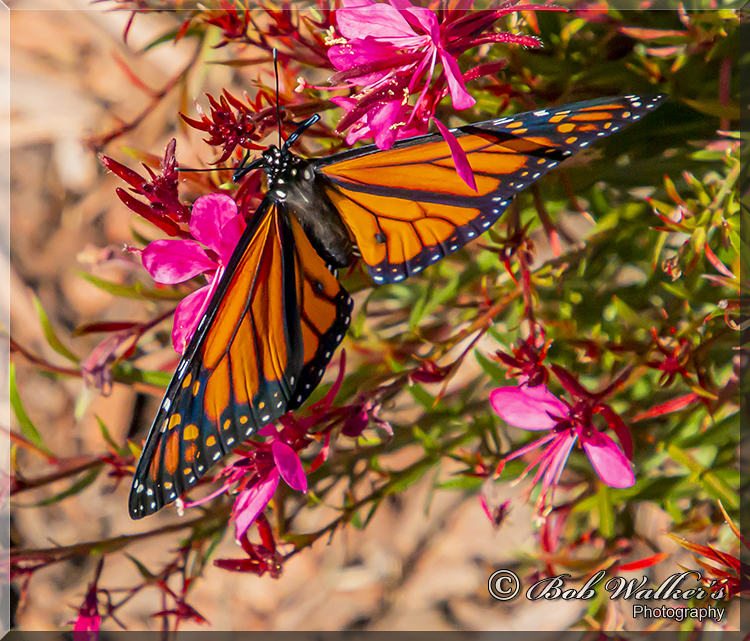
528	407
559	452
377	20
610	463
86	628
353	4
463	168
355	132
230	237
419	129
532	446
187	315
289	466
361	52
268	430
175	261
210	214
87	624
381	123
425	19
252	502
460	97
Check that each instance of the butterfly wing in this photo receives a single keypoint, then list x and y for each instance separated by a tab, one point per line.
407	207
262	347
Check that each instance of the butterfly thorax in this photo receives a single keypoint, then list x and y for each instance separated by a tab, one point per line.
293	181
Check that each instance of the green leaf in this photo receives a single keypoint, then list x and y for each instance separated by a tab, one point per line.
720	434
428	443
49	333
658	247
649	489
27	426
708	481
135	450
495	372
356	521
76	488
714	108
676	290
467	483
425	399
142	569
128	373
138	291
171	35
408	477
121	450
371	513
434	296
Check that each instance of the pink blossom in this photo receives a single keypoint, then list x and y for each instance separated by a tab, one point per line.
254	499
536	408
398	33
215	227
393	50
86	626
258	472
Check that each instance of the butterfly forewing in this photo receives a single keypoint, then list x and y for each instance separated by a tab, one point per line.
270	330
408	207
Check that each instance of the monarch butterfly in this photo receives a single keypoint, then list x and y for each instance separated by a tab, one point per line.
279	312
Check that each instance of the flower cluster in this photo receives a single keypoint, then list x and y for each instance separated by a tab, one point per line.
215	229
86	626
255	475
733	579
391	52
233	123
536	408
164	208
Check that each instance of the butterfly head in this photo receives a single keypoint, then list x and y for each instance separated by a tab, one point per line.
273	159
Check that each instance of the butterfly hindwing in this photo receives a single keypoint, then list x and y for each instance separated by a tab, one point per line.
407	207
269	332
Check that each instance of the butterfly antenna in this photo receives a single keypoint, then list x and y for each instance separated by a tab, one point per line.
278	108
186	169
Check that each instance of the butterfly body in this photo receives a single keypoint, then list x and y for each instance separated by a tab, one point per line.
278	313
294	183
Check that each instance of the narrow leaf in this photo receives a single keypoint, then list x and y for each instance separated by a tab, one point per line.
76	488
49	333
27	426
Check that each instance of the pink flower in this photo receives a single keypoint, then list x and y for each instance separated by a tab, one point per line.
258	472
86	626
162	207
394	42
215	227
536	408
254	499
395	50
